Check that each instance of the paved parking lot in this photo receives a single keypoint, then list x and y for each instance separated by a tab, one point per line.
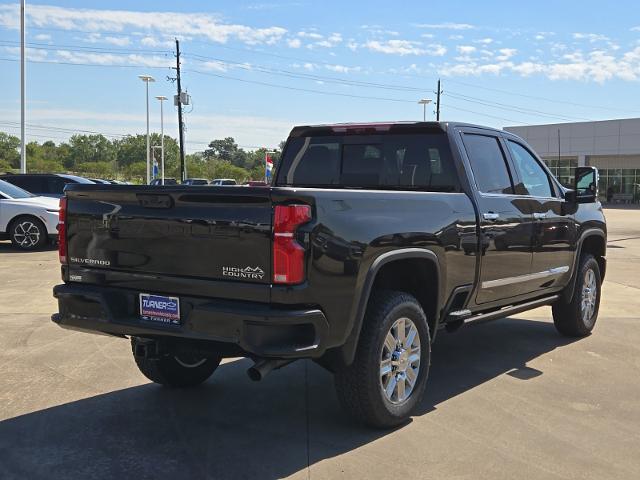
509	399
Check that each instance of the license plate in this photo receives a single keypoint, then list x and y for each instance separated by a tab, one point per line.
160	309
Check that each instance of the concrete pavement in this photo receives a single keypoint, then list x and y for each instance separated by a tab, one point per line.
508	399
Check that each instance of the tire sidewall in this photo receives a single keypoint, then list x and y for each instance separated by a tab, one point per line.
589	263
407	308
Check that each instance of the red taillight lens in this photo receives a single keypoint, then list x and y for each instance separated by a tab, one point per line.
288	254
62	230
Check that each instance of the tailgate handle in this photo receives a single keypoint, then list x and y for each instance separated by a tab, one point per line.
154	200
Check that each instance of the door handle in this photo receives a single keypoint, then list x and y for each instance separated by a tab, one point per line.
539	215
490	216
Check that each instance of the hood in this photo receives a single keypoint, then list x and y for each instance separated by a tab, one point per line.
44	202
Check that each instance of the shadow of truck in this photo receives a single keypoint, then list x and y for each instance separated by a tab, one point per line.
234	428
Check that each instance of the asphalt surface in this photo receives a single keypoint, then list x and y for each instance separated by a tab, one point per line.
508	399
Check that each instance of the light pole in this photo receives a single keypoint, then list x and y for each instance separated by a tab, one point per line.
424	103
162	99
146	79
23	149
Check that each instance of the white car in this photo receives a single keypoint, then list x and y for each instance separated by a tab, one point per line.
27	220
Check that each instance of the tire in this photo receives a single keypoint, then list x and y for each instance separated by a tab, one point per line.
174	371
578	317
28	233
361	385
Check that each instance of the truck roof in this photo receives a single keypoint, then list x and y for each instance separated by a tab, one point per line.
372	127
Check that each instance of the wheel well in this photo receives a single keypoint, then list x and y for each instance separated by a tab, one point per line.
596	246
19	216
416	276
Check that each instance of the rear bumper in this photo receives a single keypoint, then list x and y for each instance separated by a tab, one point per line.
258	329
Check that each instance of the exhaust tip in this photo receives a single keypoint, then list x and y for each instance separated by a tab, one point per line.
254	374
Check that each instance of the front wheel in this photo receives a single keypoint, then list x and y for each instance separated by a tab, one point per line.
578	317
28	233
388	376
176	370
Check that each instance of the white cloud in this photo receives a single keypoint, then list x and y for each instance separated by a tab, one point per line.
294	42
446	26
311	35
309	66
596	66
43	37
506	53
112	59
404	47
456	37
396	47
484	41
202	25
122	41
592	37
342	68
150	41
466	49
214	66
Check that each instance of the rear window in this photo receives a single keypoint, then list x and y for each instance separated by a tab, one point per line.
400	161
30	183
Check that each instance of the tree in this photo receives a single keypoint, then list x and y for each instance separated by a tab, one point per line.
9	155
223	149
90	148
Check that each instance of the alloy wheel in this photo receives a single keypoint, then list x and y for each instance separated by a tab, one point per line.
400	361
27	234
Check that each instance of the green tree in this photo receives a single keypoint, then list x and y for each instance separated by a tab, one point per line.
9	155
224	149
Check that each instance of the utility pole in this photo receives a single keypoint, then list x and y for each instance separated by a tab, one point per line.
438	102
23	147
180	124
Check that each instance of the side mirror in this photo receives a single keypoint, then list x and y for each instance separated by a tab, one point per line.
586	185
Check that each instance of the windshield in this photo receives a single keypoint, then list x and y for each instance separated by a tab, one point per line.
11	191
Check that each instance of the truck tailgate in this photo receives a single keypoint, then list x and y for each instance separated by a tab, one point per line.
219	233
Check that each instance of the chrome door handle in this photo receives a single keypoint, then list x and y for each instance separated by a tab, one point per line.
539	216
490	216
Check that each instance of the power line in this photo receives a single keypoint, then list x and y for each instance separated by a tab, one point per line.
84	64
308	90
503	106
80	48
307	76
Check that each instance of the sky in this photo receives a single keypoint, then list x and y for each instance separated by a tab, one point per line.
254	69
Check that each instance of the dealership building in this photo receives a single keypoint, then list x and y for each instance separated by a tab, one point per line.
611	145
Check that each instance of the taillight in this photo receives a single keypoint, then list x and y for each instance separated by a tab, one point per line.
288	254
62	230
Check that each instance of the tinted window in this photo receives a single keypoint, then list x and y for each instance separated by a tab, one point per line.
488	164
56	185
406	162
534	178
33	184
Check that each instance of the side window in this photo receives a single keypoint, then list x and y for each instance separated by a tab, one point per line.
56	185
33	184
534	178
488	164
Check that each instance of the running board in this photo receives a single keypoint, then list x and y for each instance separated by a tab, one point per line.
511	310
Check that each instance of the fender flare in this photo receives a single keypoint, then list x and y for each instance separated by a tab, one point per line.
349	347
590	232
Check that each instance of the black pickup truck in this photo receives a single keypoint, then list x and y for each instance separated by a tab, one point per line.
373	238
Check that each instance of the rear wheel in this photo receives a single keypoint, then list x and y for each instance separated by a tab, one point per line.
184	370
578	317
28	233
387	379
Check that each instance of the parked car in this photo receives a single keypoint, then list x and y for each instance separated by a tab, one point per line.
256	183
167	181
100	181
372	239
26	219
222	182
44	184
196	181
118	182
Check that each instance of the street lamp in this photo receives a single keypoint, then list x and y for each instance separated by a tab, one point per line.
146	79
162	99
424	103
